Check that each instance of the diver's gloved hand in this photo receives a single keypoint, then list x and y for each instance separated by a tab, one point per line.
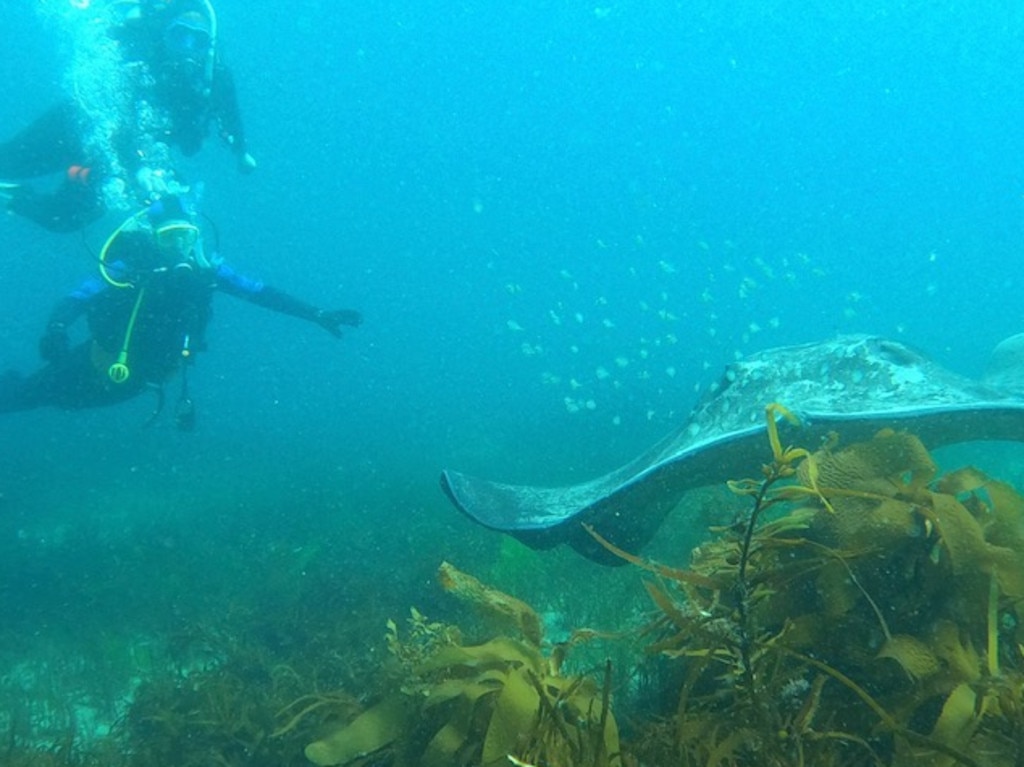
55	343
332	320
246	163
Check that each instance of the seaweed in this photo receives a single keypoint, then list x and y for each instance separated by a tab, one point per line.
862	608
503	700
865	611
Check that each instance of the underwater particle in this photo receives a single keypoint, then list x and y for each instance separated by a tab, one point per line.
574	349
643	375
565	274
765	268
703	245
478	205
933	256
671	338
550	378
514	326
571	405
513	288
667	268
663	296
666	315
601	301
644	306
650	415
706	297
531	350
578	316
753	328
774	323
622	361
644	354
602	373
554	317
931	289
901	328
712	332
693	429
574	384
607	323
670	371
590	404
616	420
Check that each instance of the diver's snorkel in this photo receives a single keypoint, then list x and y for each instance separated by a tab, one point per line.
211	53
105	270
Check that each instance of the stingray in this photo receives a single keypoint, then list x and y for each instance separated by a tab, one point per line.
853	386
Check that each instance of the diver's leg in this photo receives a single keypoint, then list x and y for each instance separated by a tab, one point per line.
71	383
72	206
50	144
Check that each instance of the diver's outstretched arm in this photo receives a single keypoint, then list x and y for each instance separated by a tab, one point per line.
330	320
261	294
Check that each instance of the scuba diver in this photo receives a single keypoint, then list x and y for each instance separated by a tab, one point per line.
147	312
173	88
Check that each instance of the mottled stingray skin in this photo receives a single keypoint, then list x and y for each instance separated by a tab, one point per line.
853	385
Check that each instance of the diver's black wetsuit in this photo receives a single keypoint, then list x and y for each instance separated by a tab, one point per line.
53	143
172	309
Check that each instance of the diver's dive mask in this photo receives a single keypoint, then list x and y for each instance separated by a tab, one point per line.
181	245
176	244
189	37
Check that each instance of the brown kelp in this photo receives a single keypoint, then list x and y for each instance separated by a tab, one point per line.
499	702
865	611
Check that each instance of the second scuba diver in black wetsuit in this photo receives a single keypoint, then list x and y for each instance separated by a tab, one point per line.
178	87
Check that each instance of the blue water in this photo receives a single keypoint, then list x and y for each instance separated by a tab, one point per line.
560	220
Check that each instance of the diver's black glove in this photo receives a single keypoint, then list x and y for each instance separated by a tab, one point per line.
331	320
55	344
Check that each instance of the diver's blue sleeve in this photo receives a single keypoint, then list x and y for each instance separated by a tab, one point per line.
237	284
88	289
268	297
75	303
261	294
